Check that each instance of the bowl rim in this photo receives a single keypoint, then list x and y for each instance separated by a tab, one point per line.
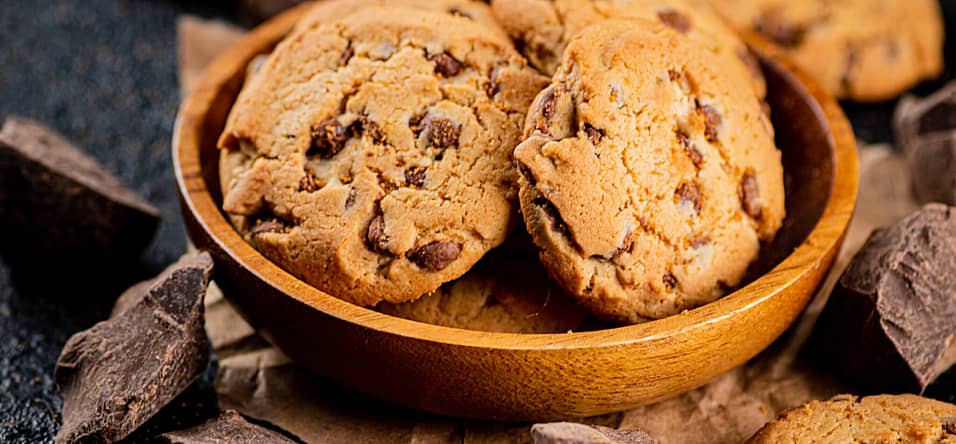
826	235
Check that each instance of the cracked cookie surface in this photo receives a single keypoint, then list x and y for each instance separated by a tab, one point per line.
371	156
859	49
647	180
873	419
542	29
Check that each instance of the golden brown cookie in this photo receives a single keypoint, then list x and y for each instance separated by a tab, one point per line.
858	49
508	291
648	178
330	10
875	419
543	28
372	156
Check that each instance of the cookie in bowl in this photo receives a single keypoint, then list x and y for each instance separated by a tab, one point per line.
371	156
649	179
543	29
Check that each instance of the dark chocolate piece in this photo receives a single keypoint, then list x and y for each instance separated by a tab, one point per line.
573	433
926	132
892	315
60	205
918	117
119	373
932	164
229	428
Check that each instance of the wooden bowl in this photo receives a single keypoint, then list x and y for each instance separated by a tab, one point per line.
528	376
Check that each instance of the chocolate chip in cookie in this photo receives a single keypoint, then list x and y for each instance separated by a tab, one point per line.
436	255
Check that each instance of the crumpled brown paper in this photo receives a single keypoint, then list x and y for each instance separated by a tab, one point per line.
259	381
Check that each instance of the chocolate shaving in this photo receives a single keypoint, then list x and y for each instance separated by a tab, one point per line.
119	373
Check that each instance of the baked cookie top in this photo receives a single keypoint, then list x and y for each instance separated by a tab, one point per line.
371	156
507	291
648	179
543	28
859	49
873	419
331	10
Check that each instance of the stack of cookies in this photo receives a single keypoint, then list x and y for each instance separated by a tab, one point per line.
613	158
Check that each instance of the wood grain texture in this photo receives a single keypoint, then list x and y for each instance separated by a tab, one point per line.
528	376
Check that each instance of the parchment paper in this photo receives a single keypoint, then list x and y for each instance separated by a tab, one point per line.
259	381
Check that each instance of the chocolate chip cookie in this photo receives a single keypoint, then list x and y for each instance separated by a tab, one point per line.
874	419
331	10
859	49
649	178
371	156
507	291
542	29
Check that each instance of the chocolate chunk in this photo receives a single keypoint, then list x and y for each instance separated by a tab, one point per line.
932	164
454	10
445	64
689	193
229	427
328	139
891	316
557	223
749	194
679	22
556	114
775	28
346	55
712	121
670	281
350	199
442	133
594	135
119	373
415	176
375	236
949	425
572	433
268	226
695	156
436	255
310	183
365	126
58	205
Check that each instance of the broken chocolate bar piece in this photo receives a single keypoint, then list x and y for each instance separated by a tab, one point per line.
926	132
915	117
892	316
119	373
932	164
229	428
58	204
573	433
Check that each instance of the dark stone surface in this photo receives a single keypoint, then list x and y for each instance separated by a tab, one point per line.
103	73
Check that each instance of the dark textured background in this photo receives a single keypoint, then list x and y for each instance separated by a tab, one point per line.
103	72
